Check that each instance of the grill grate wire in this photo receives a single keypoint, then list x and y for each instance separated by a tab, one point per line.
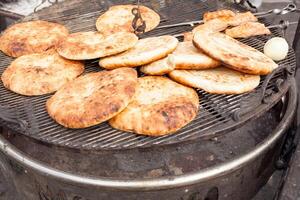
215	110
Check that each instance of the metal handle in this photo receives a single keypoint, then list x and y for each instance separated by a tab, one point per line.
158	183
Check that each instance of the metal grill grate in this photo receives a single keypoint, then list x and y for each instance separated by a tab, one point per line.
215	110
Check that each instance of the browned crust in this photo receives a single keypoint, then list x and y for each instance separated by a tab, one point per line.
38	74
218	14
119	18
259	66
92	45
93	98
161	117
248	29
31	37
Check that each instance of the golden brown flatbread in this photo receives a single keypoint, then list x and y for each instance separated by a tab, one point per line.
144	52
159	67
188	36
31	37
93	98
233	53
91	45
224	14
247	30
187	56
214	25
219	80
119	18
159	107
38	74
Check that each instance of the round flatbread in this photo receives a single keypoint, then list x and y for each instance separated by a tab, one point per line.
38	74
91	45
187	56
220	80
144	52
158	68
93	98
31	37
119	18
159	107
235	54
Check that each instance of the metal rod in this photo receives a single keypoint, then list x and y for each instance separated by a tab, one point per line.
287	9
10	15
282	25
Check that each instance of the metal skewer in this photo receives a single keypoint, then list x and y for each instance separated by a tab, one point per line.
283	25
287	9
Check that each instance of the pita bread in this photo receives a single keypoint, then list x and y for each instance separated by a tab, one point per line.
241	18
214	25
93	98
31	37
188	36
38	74
159	67
224	14
187	56
235	54
91	45
219	80
160	106
144	52
248	29
119	18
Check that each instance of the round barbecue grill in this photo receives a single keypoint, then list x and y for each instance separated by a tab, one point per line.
228	152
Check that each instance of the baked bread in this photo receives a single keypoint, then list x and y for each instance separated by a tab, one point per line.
187	56
93	98
31	37
159	107
144	52
91	45
247	30
224	14
119	18
38	74
188	36
214	25
234	54
219	80
159	67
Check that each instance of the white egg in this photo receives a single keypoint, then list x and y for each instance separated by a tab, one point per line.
276	48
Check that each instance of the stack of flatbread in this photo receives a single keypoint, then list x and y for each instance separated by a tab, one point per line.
49	60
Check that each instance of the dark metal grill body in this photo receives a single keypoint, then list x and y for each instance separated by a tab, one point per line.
215	157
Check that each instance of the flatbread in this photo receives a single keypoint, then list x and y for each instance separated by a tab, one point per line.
119	18
188	36
144	52
214	25
224	14
241	18
247	30
91	45
219	80
235	54
31	37
93	98
187	56
160	106
38	74
159	67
